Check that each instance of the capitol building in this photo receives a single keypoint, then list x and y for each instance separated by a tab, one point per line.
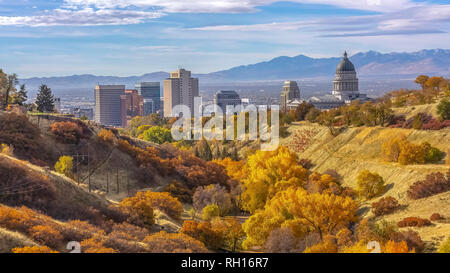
345	90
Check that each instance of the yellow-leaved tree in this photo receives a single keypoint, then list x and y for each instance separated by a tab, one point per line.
269	173
65	166
302	212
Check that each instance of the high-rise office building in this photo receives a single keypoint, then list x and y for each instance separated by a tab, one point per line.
108	104
131	106
150	91
179	89
223	98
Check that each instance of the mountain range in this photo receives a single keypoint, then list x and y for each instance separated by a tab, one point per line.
369	64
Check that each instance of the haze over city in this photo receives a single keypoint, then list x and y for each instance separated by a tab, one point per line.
124	38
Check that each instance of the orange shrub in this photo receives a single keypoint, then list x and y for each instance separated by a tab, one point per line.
106	136
165	203
77	230
139	209
326	246
203	232
67	132
128	232
393	247
93	245
163	242
33	249
46	235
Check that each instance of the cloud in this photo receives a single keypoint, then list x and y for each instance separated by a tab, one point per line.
235	6
422	19
81	17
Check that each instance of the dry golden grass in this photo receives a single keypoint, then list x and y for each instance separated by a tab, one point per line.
358	149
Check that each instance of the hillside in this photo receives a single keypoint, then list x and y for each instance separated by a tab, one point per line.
358	149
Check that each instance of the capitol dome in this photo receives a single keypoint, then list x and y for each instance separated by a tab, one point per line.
345	65
346	86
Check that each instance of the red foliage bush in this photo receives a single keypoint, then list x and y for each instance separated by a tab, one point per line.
433	184
385	206
411	237
306	163
435	124
67	132
436	217
414	222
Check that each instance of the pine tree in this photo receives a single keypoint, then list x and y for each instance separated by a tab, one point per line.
225	153
204	151
235	155
44	100
19	97
217	154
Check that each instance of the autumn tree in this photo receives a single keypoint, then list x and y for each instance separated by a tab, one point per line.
322	213
204	232
421	80
157	135
210	212
65	166
445	246
369	184
269	173
139	209
7	87
302	110
164	202
212	194
231	232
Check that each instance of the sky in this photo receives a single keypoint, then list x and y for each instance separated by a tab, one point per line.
43	38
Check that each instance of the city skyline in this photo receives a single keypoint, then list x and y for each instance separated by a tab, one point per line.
104	37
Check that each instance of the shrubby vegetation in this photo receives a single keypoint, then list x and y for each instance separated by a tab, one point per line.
434	183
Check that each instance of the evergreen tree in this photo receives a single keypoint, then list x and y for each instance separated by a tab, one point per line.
235	155
217	154
44	100
225	152
20	97
204	151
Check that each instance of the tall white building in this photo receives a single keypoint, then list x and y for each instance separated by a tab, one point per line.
179	89
290	95
108	104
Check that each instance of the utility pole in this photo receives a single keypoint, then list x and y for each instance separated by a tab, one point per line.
89	169
117	180
78	175
107	181
128	186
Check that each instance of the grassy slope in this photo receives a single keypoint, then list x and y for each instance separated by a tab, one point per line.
357	149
